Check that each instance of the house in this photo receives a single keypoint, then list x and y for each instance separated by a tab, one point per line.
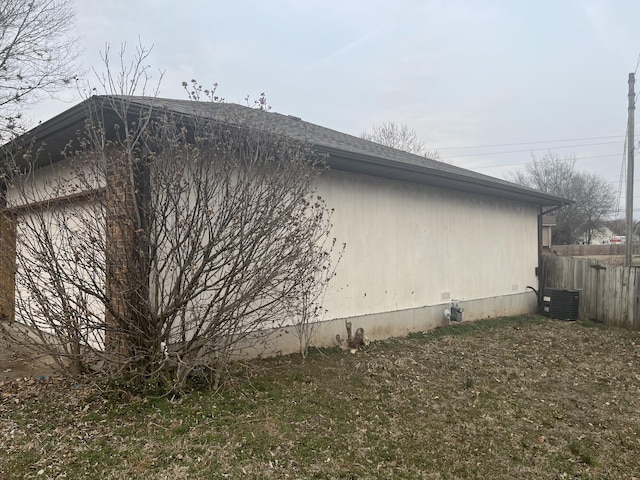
602	236
419	233
548	222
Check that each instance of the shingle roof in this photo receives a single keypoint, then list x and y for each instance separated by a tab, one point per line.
345	152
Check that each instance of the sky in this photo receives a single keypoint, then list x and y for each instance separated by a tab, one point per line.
487	83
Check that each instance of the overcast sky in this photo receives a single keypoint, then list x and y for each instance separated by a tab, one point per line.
494	76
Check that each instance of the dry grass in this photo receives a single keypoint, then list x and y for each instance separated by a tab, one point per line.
523	397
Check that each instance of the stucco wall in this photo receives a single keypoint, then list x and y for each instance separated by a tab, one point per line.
61	239
410	246
73	252
409	250
64	178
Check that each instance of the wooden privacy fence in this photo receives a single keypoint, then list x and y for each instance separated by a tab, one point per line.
608	293
577	250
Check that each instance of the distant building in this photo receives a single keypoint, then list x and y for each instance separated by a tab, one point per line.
548	222
605	235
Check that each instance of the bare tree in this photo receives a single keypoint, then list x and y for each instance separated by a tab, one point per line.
400	137
618	226
38	56
593	196
180	239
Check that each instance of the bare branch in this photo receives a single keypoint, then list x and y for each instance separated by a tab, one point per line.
38	56
400	137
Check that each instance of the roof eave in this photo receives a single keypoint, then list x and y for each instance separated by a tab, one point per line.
64	127
380	167
53	134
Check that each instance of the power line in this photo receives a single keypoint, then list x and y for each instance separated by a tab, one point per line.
622	210
528	150
497	165
528	143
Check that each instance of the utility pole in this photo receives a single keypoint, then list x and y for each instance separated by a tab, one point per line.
630	149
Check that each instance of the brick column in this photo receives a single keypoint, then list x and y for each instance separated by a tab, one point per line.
125	283
8	222
119	231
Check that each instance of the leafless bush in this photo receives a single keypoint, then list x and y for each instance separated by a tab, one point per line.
162	243
318	267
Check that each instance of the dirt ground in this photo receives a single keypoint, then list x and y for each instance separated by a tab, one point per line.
502	399
18	362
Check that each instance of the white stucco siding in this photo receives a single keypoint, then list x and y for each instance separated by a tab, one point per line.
64	178
61	240
59	259
410	246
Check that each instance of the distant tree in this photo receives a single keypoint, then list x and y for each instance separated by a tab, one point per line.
37	56
401	137
617	225
593	196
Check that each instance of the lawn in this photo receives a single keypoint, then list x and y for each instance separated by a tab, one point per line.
524	397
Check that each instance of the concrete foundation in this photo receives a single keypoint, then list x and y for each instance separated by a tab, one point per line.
381	326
